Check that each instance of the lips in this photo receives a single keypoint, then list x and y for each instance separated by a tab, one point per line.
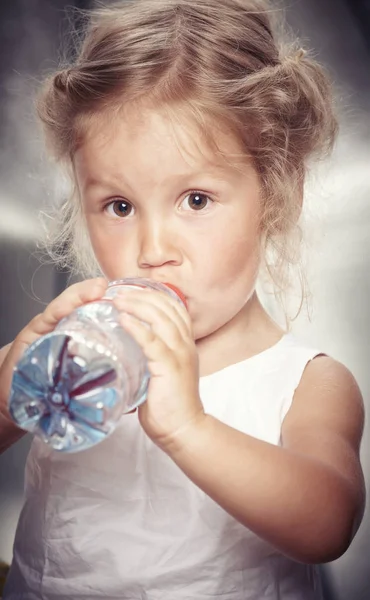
180	294
176	288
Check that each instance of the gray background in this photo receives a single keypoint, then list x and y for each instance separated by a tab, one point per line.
337	220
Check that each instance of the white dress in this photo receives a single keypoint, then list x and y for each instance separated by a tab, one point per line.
122	521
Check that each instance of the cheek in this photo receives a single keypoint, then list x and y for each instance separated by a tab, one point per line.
227	279
231	253
105	245
99	239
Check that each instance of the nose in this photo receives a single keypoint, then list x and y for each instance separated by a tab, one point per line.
158	244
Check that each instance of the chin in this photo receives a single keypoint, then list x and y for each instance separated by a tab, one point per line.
202	331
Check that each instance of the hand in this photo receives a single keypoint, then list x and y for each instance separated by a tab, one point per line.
73	297
173	401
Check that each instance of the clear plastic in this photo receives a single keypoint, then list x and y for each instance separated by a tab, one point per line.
72	385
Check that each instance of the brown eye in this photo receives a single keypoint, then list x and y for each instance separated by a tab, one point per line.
197	201
119	208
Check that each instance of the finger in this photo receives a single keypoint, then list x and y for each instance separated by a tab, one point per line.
167	325
154	347
132	300
179	307
73	297
182	311
157	295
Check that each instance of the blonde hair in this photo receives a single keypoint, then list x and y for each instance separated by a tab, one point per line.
218	59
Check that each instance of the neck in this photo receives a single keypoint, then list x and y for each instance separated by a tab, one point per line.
250	332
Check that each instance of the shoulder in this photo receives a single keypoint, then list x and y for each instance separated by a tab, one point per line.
327	396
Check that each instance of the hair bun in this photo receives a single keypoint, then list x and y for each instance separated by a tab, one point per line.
62	79
301	53
295	58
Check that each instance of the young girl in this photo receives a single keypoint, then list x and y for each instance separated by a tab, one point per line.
188	132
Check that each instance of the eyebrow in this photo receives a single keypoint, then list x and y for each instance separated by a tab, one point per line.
93	182
179	178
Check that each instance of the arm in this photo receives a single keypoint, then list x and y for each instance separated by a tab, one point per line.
9	432
307	497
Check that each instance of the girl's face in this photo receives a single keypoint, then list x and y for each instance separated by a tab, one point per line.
160	204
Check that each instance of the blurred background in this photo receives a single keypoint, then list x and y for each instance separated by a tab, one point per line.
336	218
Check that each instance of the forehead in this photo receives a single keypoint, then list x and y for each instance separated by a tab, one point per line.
158	138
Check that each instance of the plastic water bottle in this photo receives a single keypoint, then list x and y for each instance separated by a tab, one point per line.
72	385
